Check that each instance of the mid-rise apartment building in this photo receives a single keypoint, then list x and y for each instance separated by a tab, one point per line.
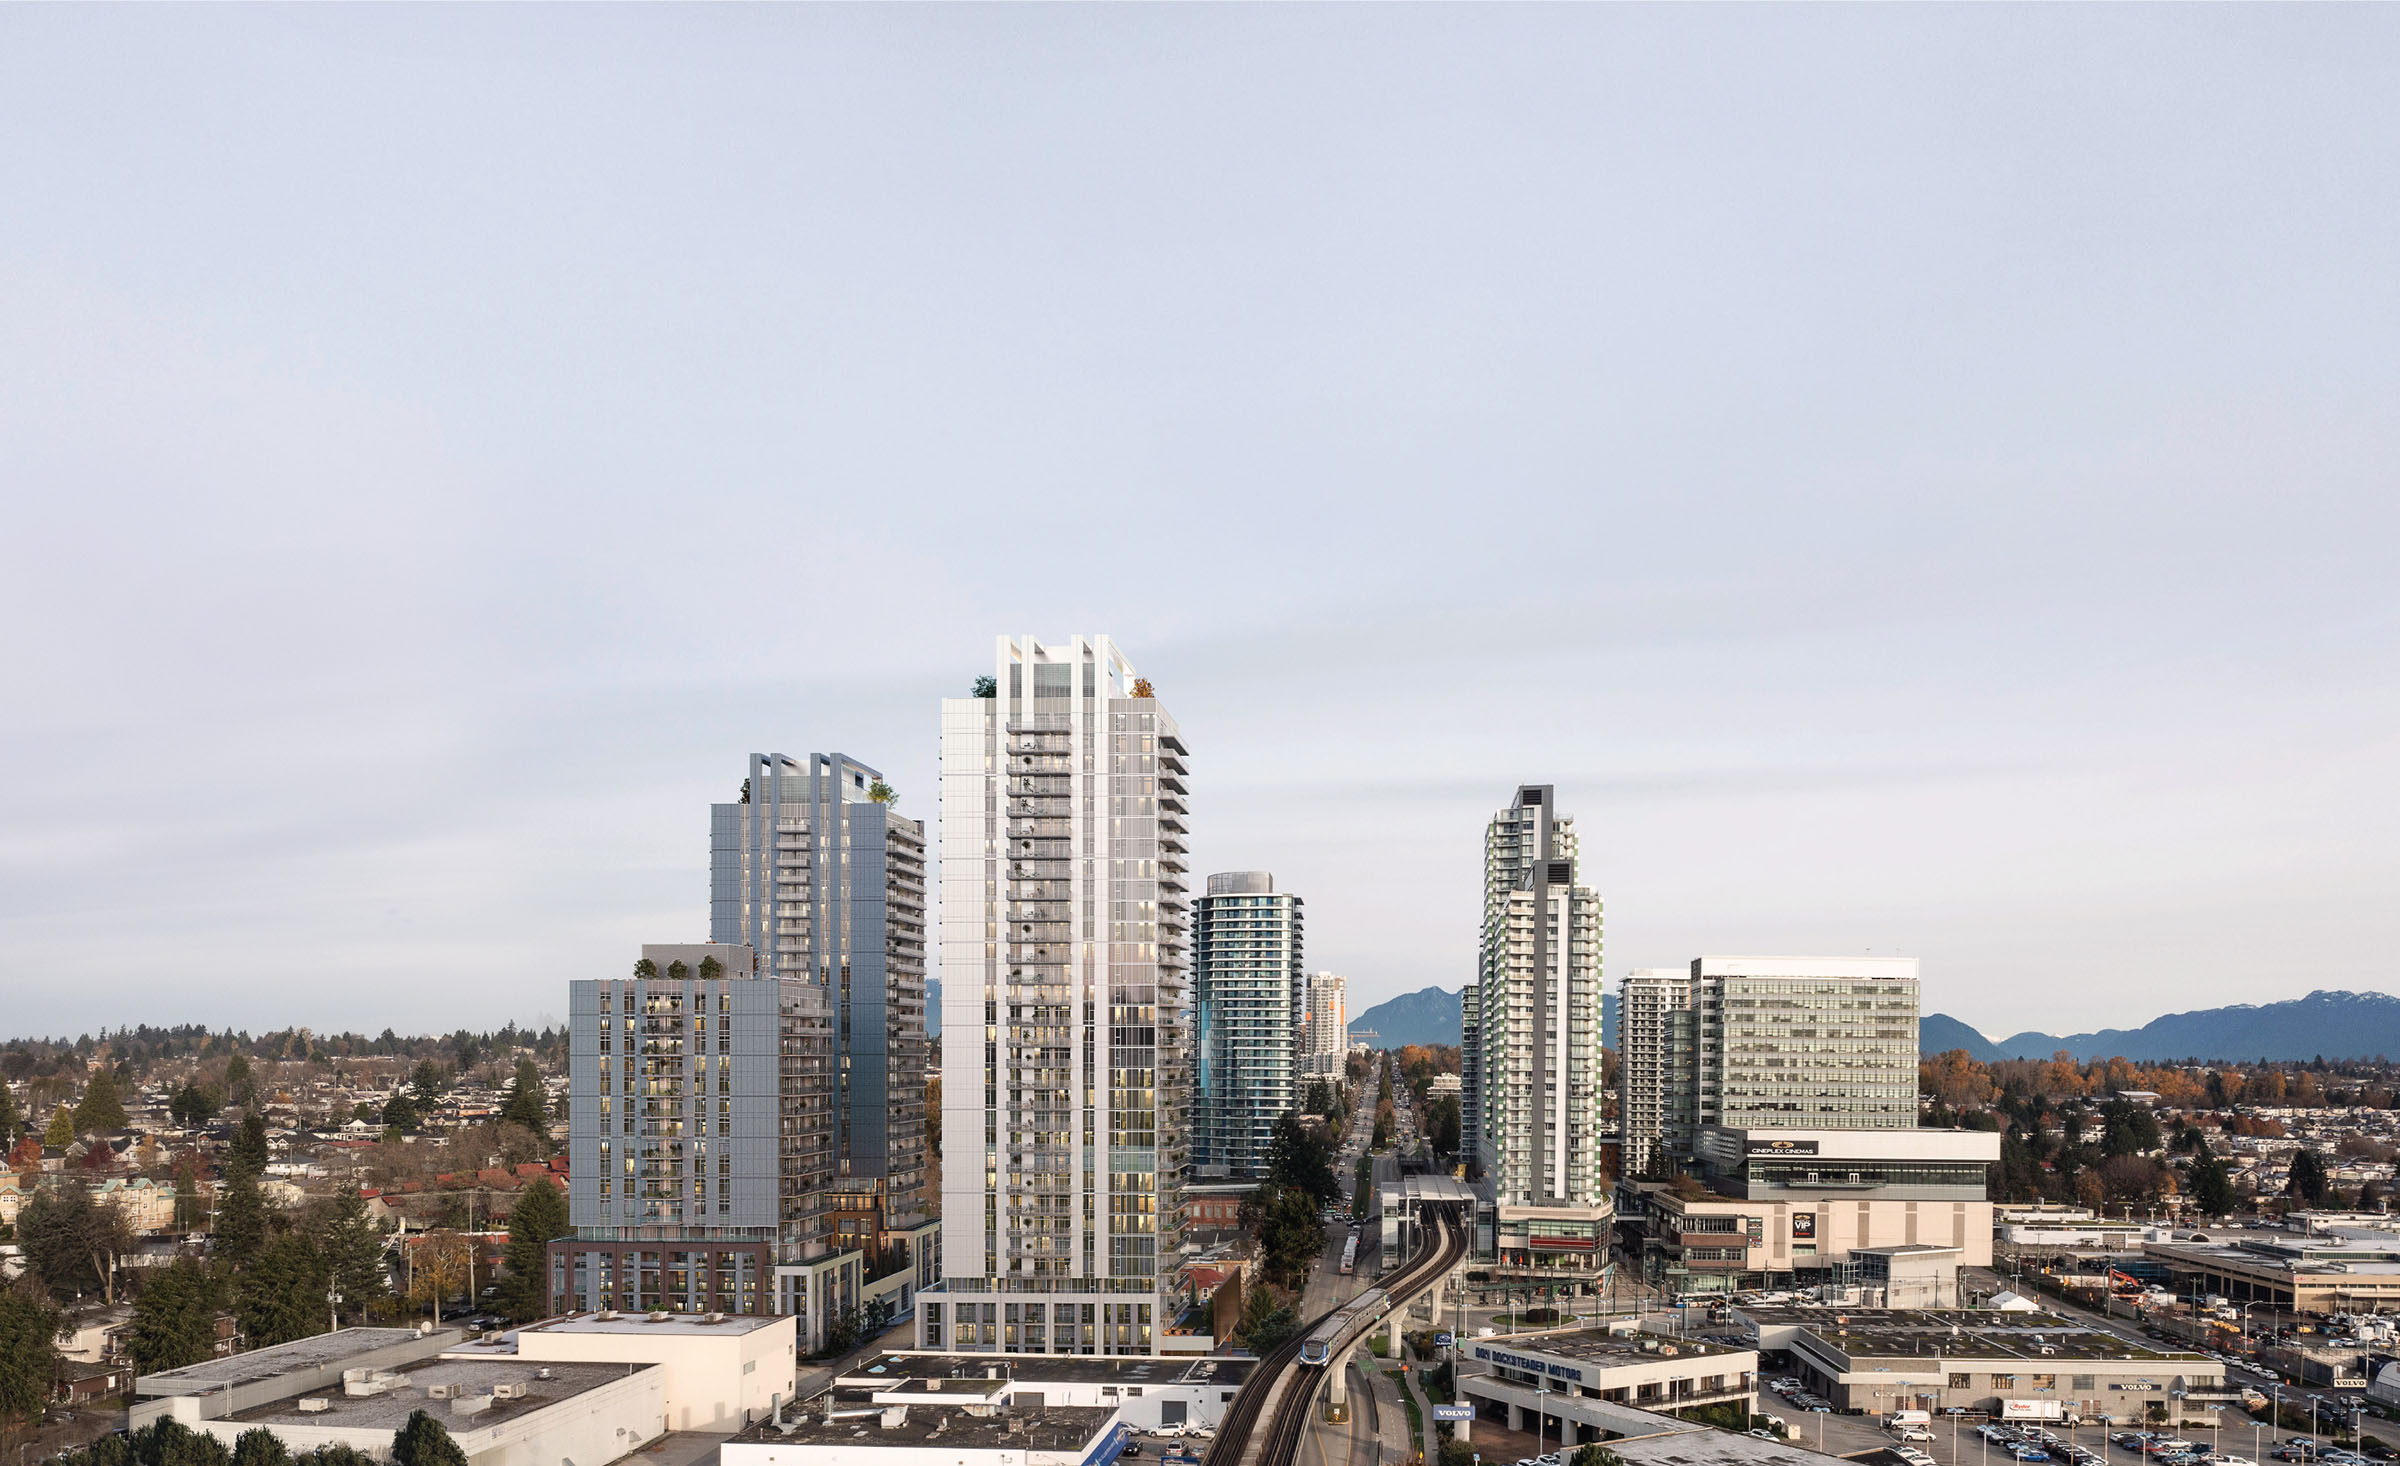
1246	978
1537	1021
1065	959
700	1142
816	871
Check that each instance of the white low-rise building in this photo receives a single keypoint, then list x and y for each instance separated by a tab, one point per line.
722	1371
852	1434
1146	1393
1589	1385
358	1387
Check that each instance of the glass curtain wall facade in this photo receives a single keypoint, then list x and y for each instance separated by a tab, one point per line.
1065	961
817	871
1246	964
1537	1025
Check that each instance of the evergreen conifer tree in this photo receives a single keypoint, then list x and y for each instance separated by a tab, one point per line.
241	1227
539	1216
28	1353
353	1251
282	1292
523	1104
250	1141
174	1318
101	1112
425	1441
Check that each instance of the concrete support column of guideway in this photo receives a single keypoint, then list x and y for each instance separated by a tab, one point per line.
1341	1376
1391	1340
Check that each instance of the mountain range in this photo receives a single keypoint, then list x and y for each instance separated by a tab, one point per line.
1426	1016
2327	1023
1431	1016
2330	1024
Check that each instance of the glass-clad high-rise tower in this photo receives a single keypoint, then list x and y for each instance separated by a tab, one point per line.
1247	977
1065	957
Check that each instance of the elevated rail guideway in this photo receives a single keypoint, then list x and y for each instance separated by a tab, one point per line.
1269	1418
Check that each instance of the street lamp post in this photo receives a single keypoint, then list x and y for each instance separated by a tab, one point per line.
1541	1415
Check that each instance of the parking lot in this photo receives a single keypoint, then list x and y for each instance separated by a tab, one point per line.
1967	1440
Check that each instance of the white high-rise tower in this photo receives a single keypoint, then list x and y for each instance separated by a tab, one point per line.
1537	991
1325	1033
1065	953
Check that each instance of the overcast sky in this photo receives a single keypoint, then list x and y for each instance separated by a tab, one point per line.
1916	479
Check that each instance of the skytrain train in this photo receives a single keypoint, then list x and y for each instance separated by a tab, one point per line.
1317	1348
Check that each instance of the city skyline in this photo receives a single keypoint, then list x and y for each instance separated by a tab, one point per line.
1959	435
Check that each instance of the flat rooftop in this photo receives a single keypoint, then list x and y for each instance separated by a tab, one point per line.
1718	1448
390	1410
1057	1428
260	1365
724	1325
1594	1346
1961	1333
2285	1252
1028	1369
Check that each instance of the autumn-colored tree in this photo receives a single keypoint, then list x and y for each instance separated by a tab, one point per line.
440	1263
1955	1079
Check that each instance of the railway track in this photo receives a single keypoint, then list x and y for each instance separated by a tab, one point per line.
1283	1388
